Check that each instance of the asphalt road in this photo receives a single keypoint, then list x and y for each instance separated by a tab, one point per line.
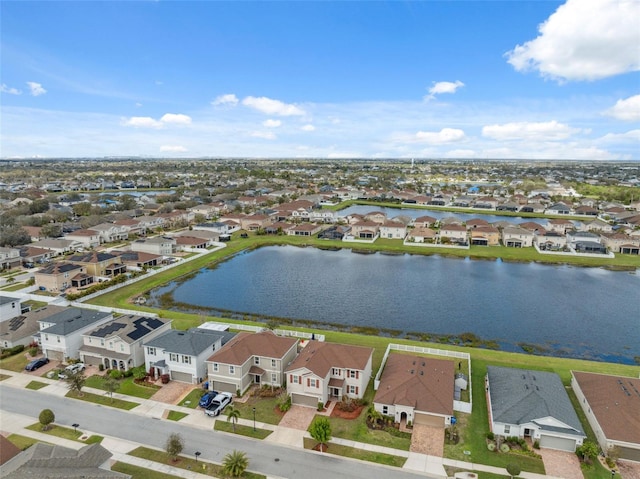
267	458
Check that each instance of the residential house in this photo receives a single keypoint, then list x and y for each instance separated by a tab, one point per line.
58	246
60	334
134	225
485	236
365	230
99	264
328	371
188	243
620	243
474	223
251	358
278	228
393	230
137	259
305	229
453	233
160	245
49	461
517	237
558	209
9	307
416	389
255	222
89	238
177	218
597	225
486	202
422	235
560	226
334	232
532	208
118	344
611	404
182	354
20	329
586	210
534	227
31	255
110	232
551	240
220	227
533	404
35	232
57	277
323	216
9	258
376	216
424	222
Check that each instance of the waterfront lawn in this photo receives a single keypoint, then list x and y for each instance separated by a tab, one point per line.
242	430
357	430
140	472
127	386
103	400
35	385
266	410
354	453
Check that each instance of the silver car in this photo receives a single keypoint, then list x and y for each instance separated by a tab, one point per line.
218	404
71	369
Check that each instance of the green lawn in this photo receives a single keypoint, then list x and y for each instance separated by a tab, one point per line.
16	363
140	472
14	287
35	385
64	433
22	442
191	400
103	400
354	453
223	425
126	386
357	430
184	462
176	415
4	376
266	410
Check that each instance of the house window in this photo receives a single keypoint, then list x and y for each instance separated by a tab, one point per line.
507	429
256	360
353	374
352	389
232	370
58	338
274	378
122	347
186	359
273	363
312	383
102	343
173	357
294	380
335	372
150	351
385	410
46	337
216	367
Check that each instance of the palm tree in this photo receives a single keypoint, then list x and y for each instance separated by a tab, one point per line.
233	413
235	463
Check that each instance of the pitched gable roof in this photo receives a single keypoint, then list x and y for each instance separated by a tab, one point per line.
425	384
320	357
191	342
246	345
520	396
72	319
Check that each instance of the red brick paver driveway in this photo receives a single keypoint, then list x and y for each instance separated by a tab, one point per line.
298	417
427	440
561	464
629	470
173	392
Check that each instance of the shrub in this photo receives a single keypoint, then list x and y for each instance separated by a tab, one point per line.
491	436
12	351
491	446
33	352
504	448
284	402
238	393
100	367
115	374
513	469
46	417
536	444
320	405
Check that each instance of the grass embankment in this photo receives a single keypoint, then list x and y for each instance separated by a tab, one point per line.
352	452
184	462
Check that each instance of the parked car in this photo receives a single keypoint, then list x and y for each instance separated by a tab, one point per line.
205	400
36	363
218	404
71	369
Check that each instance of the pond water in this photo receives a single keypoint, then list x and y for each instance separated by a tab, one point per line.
589	313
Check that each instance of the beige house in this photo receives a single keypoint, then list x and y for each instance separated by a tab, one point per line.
516	237
393	230
251	358
485	236
9	258
98	264
453	233
422	235
57	277
88	238
160	245
328	371
110	232
424	222
305	229
365	229
416	389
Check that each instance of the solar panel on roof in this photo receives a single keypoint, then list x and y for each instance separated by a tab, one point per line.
108	329
16	323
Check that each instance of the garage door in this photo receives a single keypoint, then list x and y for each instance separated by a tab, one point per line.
54	355
560	443
304	400
629	453
91	360
182	377
224	387
428	419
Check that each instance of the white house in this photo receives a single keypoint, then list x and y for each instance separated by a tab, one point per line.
9	307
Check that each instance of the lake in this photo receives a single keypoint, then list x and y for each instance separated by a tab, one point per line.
588	313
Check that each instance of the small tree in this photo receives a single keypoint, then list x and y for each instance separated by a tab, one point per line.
588	451
320	430
235	463
75	382
513	469
111	385
233	413
46	417
174	445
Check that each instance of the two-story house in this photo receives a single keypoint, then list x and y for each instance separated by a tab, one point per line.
57	277
110	232
88	238
182	354
60	334
365	229
118	344
99	264
9	307
21	329
328	371
9	258
517	237
393	230
160	245
251	358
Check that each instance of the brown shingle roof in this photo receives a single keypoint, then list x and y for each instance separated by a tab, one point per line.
425	384
246	345
617	411
320	357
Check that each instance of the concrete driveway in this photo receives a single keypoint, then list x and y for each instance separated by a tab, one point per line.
561	464
427	440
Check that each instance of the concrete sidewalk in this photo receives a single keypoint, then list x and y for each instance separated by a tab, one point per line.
423	463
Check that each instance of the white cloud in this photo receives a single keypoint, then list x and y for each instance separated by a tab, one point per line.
443	87
542	131
265	135
36	88
627	109
583	40
631	136
142	122
138	104
148	122
11	91
176	119
308	127
222	100
446	135
272	107
173	149
271	123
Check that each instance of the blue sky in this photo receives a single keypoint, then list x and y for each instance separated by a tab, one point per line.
431	79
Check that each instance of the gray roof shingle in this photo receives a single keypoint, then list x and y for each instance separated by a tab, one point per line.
191	342
72	319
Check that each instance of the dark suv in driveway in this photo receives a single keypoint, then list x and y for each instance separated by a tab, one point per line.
205	400
36	363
